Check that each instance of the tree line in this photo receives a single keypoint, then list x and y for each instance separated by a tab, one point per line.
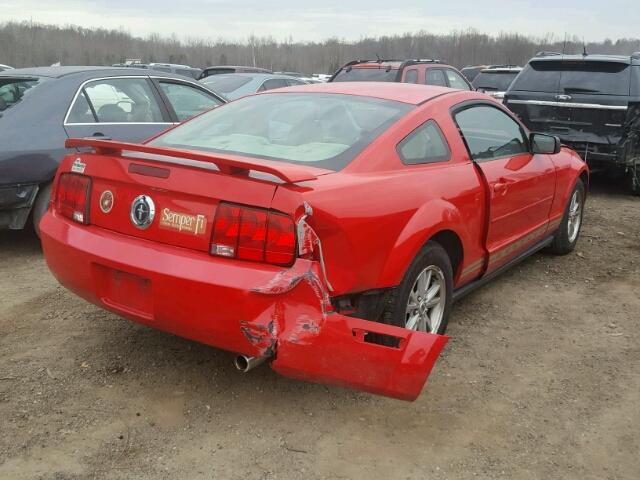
26	44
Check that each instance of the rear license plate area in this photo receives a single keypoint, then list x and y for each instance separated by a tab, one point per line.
125	292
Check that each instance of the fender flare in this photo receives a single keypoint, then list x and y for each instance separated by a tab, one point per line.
431	218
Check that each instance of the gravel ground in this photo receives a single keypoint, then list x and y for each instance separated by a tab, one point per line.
540	380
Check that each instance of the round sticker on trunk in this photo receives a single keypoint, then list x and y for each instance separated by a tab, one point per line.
106	201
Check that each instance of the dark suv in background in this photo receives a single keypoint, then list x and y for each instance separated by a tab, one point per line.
495	80
421	71
592	102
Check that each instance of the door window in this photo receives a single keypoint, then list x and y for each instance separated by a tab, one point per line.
490	133
434	76
116	100
456	80
425	144
411	77
186	100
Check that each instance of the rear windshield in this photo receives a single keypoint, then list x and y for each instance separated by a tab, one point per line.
366	75
13	90
494	81
574	76
323	130
226	83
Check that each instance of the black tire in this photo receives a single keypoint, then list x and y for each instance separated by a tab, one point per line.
562	243
40	207
432	255
633	178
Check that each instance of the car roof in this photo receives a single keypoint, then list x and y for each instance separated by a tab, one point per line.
212	67
88	72
393	63
501	70
400	92
551	57
254	75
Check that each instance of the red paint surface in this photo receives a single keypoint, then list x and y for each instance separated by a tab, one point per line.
372	219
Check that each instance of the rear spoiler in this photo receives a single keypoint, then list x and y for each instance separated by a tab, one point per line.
228	164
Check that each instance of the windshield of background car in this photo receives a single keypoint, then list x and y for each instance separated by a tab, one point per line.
574	76
494	81
226	83
366	75
323	130
13	90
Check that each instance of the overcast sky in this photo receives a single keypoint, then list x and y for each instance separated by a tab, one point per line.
350	20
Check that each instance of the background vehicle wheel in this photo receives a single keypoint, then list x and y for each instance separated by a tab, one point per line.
633	177
567	235
423	300
40	206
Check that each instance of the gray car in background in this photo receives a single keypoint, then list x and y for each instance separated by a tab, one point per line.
236	85
41	107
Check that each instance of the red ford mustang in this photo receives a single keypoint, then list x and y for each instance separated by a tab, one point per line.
326	228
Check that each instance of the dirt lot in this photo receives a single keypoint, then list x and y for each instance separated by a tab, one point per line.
541	380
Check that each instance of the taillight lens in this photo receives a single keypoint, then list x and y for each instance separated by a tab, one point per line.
253	234
72	197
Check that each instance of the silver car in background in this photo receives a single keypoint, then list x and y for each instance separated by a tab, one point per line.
236	85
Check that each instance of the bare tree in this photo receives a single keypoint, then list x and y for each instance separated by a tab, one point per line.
32	44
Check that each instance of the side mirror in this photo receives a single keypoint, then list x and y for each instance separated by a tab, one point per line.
543	143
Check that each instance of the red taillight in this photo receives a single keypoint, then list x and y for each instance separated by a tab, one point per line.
253	234
281	240
72	197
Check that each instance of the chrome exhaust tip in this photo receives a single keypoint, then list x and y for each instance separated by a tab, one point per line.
244	363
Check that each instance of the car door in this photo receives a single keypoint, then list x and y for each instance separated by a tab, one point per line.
121	108
184	100
520	185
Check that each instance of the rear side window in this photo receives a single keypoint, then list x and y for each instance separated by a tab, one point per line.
13	90
366	75
226	83
456	80
273	83
490	133
411	76
116	100
186	100
426	144
435	76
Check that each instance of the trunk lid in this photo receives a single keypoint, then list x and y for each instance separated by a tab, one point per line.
171	196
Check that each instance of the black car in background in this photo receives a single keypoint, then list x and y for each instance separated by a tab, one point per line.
470	72
41	107
495	80
592	102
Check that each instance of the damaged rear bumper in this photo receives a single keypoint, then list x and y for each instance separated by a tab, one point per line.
252	309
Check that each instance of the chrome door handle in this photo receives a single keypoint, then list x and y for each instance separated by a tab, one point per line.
564	98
